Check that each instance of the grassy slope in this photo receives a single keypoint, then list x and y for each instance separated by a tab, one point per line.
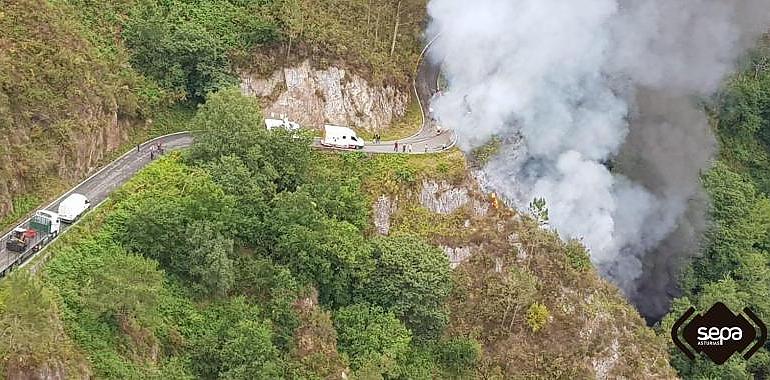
58	84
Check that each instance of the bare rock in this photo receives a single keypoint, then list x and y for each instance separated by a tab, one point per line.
383	209
456	255
604	365
442	198
314	97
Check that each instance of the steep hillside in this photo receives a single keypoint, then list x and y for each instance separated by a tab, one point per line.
250	256
734	265
63	107
534	303
79	79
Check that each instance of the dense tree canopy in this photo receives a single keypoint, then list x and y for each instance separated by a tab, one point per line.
186	46
372	338
411	280
735	262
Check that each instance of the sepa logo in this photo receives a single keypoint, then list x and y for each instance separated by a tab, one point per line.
719	333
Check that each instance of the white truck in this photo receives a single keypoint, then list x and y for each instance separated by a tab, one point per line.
33	235
72	207
341	137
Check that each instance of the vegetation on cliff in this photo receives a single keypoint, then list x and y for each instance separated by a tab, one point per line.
735	263
250	256
79	80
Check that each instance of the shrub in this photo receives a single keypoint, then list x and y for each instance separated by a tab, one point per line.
537	316
577	256
458	355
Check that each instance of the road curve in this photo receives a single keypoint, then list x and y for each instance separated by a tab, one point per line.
426	140
98	186
101	184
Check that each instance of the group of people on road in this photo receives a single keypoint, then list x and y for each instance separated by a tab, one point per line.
155	150
377	138
405	148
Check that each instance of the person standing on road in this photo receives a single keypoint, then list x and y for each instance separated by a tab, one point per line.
395	147
403	148
410	148
137	148
426	147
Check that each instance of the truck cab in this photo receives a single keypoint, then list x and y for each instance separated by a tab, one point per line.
45	222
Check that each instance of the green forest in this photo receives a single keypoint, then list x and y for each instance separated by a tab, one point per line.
734	265
242	258
251	256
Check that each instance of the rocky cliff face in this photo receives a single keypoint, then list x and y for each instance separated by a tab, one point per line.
333	95
94	133
60	100
496	253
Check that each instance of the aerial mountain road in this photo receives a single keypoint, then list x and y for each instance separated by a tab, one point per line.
101	184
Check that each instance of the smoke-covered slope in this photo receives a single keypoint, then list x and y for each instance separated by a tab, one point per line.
574	88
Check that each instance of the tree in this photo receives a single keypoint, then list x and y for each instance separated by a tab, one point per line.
402	6
539	210
211	266
32	334
186	47
156	207
215	345
341	199
458	355
372	338
274	286
248	353
252	192
412	280
742	222
230	124
125	286
331	255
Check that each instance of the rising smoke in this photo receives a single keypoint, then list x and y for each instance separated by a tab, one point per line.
572	85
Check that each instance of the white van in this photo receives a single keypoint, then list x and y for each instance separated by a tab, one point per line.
341	137
284	123
72	207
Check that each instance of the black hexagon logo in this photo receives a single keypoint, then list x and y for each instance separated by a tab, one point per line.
719	333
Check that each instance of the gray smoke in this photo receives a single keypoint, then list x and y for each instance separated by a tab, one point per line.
573	85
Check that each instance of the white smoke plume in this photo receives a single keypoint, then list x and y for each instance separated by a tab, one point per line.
573	84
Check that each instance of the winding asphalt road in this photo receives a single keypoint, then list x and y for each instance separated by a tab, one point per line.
101	184
98	187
